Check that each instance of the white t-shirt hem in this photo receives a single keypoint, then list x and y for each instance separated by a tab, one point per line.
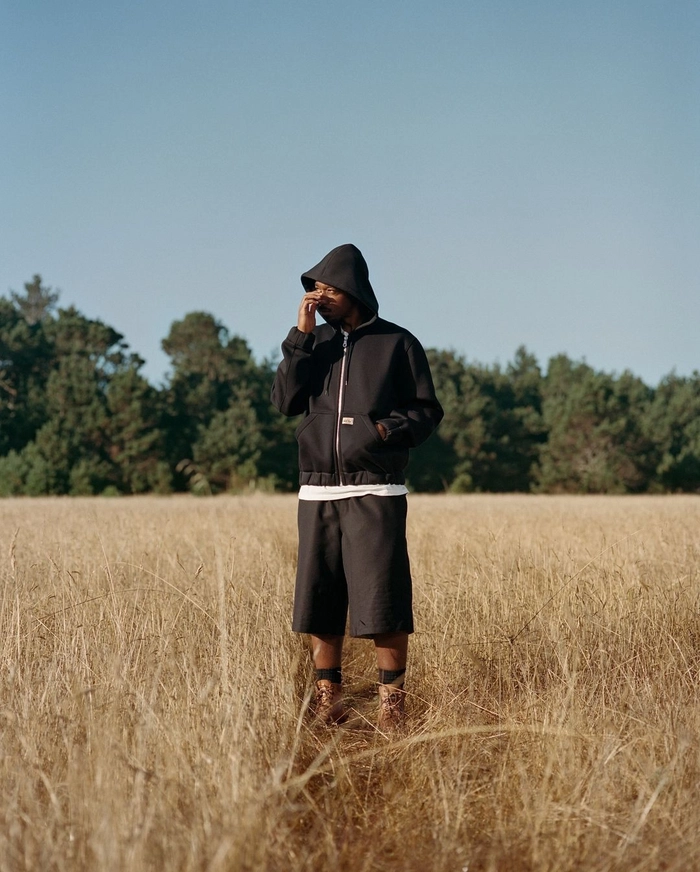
343	492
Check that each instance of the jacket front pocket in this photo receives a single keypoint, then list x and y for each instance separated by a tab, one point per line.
315	435
361	446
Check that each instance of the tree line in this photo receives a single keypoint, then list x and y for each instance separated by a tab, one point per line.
78	417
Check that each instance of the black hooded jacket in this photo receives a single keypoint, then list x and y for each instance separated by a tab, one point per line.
380	374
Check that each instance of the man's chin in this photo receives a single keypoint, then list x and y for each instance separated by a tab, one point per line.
330	319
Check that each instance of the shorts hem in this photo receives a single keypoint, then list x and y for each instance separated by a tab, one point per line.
369	634
316	631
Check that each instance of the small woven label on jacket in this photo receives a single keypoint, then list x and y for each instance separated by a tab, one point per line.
348	421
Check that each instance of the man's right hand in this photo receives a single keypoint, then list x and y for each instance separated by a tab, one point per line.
306	320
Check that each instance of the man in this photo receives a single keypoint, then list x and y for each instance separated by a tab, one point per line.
367	396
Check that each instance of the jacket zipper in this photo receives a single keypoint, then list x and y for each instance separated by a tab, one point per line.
341	397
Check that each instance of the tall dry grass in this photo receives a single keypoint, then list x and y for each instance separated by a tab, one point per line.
153	698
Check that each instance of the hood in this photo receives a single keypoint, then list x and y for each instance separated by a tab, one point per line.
346	269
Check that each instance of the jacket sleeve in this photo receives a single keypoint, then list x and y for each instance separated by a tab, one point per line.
421	412
291	387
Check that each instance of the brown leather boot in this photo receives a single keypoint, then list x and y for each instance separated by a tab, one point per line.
392	713
329	706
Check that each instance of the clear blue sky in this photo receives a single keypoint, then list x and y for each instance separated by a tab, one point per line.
514	172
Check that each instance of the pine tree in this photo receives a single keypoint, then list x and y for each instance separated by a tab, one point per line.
37	303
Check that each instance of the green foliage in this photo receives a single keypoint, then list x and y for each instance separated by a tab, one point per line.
13	474
596	435
25	363
673	425
222	432
227	450
77	417
37	302
134	431
277	465
446	456
490	436
73	444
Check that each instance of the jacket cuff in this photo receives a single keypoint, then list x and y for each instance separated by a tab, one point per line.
392	427
301	340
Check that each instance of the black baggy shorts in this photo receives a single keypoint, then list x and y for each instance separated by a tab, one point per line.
353	554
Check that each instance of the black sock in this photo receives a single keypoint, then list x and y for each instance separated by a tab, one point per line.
392	676
334	675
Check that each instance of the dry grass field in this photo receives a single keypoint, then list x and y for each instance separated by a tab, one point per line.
152	710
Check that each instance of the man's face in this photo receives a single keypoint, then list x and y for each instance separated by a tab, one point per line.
334	306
